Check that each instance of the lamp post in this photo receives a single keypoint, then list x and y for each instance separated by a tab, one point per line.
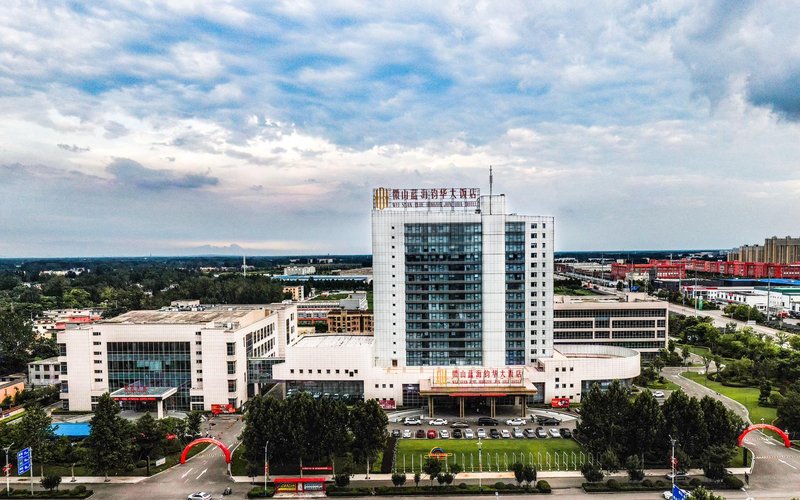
480	465
266	466
8	469
672	461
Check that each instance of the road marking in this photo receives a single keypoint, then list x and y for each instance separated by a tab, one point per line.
787	463
204	471
187	473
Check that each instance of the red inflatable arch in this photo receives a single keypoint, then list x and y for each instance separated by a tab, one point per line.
753	427
219	444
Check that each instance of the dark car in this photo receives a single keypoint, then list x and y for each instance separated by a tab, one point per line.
530	433
395	433
420	434
457	434
548	421
487	421
566	433
494	434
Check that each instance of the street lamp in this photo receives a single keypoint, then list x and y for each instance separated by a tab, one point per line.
266	466
8	470
480	464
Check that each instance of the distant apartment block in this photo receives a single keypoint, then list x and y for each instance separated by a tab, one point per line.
44	372
785	250
298	292
300	270
636	321
347	321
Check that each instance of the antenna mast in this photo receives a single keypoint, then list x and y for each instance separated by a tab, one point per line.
491	182
244	265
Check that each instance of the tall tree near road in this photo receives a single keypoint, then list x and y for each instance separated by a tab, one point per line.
17	340
645	424
34	431
368	424
109	442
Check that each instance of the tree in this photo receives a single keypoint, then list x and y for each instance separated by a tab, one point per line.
706	362
147	437
715	459
591	472
700	493
633	465
77	298
432	467
332	428
50	483
441	479
368	425
529	473
789	410
34	431
455	470
609	461
398	479
685	354
109	442
193	420
604	424
417	477
342	480
16	342
519	472
765	389
645	424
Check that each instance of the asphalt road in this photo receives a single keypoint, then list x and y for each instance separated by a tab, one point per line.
206	471
720	320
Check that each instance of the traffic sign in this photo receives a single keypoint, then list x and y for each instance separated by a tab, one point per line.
677	493
23	461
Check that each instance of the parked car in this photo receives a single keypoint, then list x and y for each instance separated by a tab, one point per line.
412	421
667	495
468	434
554	433
459	425
200	495
481	433
530	433
438	421
518	434
431	434
420	434
516	421
395	433
407	433
444	434
658	394
678	476
548	421
505	433
488	421
540	432
566	433
494	433
457	434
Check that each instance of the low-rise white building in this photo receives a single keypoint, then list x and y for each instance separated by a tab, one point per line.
44	372
177	358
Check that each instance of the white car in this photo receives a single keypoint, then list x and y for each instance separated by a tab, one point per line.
200	495
518	434
516	421
667	495
412	421
481	433
406	433
505	433
468	434
438	421
554	433
658	394
444	434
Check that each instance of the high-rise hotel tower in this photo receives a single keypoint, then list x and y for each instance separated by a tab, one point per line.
458	280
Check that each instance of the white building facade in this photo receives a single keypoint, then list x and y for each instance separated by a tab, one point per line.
172	359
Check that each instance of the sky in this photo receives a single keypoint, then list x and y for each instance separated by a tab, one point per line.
169	128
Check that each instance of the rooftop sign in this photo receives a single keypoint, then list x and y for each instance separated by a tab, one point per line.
426	198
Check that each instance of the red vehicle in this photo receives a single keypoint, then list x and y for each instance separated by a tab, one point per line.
431	434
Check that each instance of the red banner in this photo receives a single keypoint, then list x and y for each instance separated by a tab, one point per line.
559	403
388	404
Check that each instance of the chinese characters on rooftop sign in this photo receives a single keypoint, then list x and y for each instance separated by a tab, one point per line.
426	198
478	377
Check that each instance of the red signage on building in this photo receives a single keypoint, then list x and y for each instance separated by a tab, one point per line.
559	403
480	377
217	409
388	404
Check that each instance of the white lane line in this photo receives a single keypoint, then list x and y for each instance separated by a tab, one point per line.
187	473
787	463
204	471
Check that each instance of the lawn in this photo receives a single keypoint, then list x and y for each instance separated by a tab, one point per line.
666	386
748	396
496	453
705	351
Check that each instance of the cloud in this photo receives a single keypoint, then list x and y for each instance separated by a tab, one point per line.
115	130
73	148
129	172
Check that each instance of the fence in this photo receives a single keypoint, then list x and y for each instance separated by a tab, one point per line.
495	461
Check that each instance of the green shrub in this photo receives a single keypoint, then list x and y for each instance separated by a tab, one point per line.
543	486
647	483
659	484
613	484
462	486
732	482
499	485
695	482
141	464
342	480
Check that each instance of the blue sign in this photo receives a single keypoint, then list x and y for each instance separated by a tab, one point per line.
677	493
23	461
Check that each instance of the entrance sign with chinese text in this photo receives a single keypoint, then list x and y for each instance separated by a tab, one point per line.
478	377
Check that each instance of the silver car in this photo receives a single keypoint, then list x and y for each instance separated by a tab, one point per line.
468	434
481	433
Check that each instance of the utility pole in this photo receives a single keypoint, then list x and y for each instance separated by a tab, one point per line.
672	461
266	466
8	470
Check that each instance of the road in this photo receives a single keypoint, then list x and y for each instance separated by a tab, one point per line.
205	471
776	473
720	320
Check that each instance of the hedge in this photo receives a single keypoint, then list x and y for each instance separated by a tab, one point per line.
426	491
259	492
79	491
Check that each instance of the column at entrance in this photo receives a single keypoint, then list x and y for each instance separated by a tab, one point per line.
160	408
522	405
461	407
430	406
492	412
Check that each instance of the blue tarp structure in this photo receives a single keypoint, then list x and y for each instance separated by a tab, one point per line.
76	430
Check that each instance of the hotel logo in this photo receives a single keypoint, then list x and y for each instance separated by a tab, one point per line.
381	198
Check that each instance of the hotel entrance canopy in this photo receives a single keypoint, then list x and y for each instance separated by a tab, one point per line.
142	393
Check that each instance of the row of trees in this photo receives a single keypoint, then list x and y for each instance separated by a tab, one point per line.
620	429
18	344
114	443
301	430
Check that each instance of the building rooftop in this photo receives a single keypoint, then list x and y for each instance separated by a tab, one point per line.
219	316
326	341
628	298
